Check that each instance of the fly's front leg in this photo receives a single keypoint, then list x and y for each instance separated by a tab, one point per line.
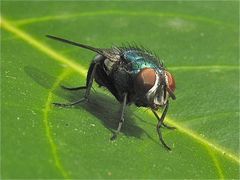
165	125
90	78
169	127
159	125
121	118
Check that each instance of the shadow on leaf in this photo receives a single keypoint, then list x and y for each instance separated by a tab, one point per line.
101	106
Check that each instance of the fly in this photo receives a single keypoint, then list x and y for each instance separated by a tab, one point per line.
133	75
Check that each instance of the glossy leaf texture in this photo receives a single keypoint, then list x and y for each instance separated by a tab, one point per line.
198	42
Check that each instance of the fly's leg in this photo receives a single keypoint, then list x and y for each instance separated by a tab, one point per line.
169	127
159	125
96	61
90	77
121	118
74	88
69	104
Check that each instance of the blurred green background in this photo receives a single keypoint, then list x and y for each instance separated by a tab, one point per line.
199	43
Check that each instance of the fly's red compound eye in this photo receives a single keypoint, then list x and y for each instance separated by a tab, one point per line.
171	81
145	80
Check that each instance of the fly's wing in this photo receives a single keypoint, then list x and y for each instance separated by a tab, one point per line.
111	54
97	50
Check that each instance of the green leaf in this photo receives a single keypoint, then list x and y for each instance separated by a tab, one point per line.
198	42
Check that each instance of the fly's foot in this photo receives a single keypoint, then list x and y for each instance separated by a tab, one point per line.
165	145
61	104
73	88
161	138
169	127
114	137
70	104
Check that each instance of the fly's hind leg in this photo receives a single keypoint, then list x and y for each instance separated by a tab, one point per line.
121	118
90	77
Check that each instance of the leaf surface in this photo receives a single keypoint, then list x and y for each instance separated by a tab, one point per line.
199	45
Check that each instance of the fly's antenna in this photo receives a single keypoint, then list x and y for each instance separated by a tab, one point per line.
97	50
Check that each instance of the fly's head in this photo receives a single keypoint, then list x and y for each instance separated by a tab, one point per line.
153	88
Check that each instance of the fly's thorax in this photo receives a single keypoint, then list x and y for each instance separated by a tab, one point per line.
151	87
109	63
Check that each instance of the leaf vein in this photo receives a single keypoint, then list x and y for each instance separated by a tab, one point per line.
48	130
123	13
